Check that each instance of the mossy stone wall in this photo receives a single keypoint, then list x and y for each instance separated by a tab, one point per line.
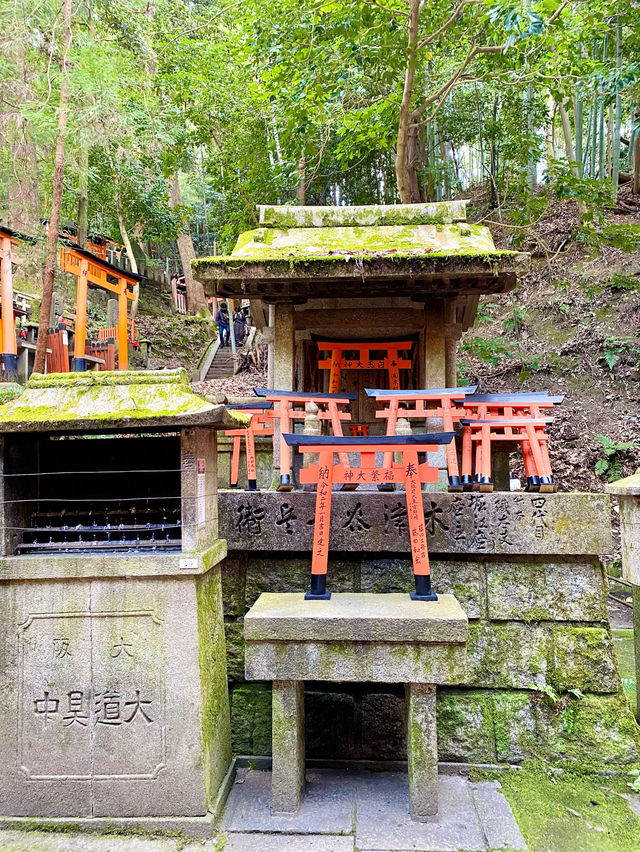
542	679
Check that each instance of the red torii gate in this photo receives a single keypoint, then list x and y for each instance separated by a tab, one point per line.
442	402
285	411
92	271
337	361
410	472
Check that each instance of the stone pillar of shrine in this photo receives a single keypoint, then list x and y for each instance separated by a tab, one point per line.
435	376
283	365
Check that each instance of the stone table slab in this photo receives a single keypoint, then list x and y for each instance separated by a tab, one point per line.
355	617
356	637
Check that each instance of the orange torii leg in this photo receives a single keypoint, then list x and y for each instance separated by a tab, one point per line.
252	477
417	531
123	345
467	458
9	345
79	355
321	529
235	458
285	457
450	449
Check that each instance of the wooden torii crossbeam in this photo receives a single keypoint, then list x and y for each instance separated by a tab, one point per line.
356	355
421	404
409	472
505	406
290	405
91	271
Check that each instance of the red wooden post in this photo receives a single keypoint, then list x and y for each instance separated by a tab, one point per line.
9	345
79	359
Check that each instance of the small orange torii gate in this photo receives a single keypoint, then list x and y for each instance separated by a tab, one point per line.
93	272
409	472
339	358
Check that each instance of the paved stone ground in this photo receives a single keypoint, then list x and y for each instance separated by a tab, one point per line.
342	812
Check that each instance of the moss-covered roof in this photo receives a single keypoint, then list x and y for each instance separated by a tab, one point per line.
95	401
299	252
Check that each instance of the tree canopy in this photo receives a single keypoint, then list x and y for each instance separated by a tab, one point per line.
276	101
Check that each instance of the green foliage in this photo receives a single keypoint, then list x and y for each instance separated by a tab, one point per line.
492	350
609	465
594	193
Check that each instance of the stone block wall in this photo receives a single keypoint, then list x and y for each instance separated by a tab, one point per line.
542	680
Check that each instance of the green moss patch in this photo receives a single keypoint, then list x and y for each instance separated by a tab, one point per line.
570	813
624	651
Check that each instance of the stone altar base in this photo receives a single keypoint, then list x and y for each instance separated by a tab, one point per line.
113	693
525	569
374	806
355	638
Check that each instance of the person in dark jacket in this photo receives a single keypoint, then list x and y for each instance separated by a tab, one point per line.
222	321
239	327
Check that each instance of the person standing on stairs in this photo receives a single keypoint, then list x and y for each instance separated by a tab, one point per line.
239	327
222	321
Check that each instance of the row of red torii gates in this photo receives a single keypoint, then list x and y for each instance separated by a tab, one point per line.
91	272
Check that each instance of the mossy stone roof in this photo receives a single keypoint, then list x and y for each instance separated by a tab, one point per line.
300	252
95	401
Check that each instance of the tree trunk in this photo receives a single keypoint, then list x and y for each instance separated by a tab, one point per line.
615	138
40	359
196	301
405	116
569	153
636	157
83	199
301	189
412	166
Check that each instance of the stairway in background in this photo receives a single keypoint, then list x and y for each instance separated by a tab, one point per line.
221	366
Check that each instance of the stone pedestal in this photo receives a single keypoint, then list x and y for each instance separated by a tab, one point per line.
113	690
362	638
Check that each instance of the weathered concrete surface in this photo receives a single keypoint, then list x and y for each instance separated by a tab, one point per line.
72	566
355	637
356	618
422	751
374	805
483	524
287	778
112	399
628	492
117	691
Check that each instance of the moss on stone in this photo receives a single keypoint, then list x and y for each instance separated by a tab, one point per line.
110	396
216	733
570	812
369	215
234	635
9	390
582	658
251	718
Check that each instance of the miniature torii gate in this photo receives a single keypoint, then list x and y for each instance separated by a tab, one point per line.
91	271
494	407
443	401
9	238
262	418
409	471
284	411
338	361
